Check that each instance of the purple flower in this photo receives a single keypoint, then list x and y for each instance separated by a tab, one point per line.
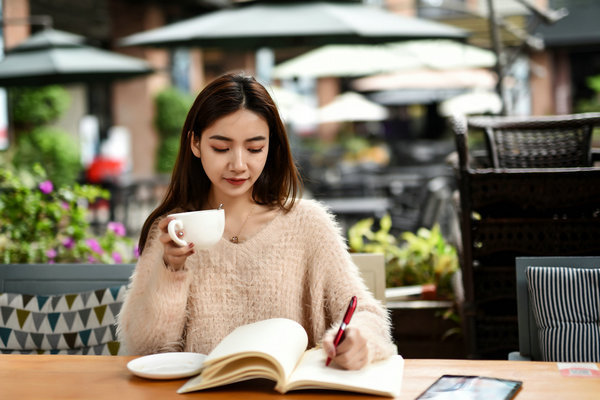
69	243
117	257
46	187
91	259
51	253
117	227
136	251
94	245
65	205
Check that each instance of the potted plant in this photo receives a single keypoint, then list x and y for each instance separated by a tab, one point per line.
425	325
421	258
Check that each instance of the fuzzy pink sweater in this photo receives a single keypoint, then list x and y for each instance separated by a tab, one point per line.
296	267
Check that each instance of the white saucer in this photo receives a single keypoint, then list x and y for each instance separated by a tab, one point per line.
167	365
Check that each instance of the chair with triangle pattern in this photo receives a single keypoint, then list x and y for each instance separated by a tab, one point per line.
61	308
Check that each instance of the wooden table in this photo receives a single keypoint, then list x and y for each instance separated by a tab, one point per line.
25	377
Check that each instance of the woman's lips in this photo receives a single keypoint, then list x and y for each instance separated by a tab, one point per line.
236	182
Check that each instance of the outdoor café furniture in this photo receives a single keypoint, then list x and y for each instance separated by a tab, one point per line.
538	142
55	279
26	377
537	209
131	201
372	270
61	308
559	298
72	308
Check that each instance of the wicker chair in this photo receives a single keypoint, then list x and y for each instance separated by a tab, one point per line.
507	212
540	142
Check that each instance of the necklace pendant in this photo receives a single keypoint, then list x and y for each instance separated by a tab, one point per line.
234	239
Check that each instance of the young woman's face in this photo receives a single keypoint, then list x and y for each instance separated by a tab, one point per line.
233	151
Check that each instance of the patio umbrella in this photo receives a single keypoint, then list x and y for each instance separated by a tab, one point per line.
428	79
398	97
476	102
446	54
292	24
341	60
294	108
350	107
54	57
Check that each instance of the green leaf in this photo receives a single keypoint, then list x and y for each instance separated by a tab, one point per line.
385	223
421	257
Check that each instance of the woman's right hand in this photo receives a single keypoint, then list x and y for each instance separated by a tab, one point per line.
174	256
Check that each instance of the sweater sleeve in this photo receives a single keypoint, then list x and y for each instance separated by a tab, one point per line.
339	280
153	315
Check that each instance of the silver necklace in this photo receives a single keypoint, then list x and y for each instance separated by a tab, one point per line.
236	237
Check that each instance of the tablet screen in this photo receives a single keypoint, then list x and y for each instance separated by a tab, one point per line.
458	387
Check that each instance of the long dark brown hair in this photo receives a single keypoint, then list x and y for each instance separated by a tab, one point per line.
278	185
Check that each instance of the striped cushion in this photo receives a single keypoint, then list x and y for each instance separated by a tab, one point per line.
566	306
78	323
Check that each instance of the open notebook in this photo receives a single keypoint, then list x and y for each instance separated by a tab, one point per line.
275	349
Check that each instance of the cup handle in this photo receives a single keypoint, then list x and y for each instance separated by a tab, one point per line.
173	226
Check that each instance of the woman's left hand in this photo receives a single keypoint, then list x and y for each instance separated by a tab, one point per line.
351	353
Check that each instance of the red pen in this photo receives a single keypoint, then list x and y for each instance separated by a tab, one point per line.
343	325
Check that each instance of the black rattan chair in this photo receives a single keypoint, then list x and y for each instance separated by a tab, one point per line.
507	212
538	142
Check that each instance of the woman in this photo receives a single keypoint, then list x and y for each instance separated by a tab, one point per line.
280	256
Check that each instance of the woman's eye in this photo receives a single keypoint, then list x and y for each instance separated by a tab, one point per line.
218	150
255	150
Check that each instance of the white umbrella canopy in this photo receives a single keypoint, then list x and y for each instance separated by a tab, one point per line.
446	54
472	103
463	78
344	60
362	60
294	108
293	24
285	99
351	107
53	57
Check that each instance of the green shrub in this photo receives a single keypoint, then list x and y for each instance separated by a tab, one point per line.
591	104
172	106
593	82
166	154
56	150
32	110
37	106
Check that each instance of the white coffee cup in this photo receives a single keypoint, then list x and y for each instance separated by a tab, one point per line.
203	228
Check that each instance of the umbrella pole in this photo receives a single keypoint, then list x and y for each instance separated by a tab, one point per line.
497	44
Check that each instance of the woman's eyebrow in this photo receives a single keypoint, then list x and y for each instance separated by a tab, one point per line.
256	139
219	137
226	139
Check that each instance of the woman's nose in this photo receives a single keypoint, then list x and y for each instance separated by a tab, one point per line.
238	161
